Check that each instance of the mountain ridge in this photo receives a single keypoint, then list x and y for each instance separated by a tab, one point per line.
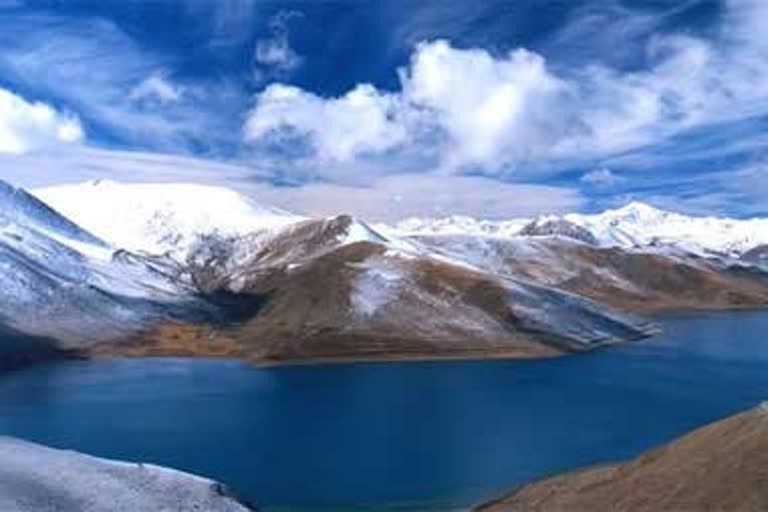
270	286
636	225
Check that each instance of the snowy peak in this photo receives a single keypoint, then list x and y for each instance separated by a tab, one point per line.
636	211
18	208
162	218
634	226
456	225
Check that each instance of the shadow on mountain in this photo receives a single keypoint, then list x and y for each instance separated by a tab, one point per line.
18	349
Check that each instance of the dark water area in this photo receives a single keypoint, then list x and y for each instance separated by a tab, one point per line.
443	433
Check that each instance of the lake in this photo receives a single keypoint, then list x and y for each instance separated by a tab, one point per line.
416	436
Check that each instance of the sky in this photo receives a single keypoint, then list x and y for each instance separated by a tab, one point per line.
388	109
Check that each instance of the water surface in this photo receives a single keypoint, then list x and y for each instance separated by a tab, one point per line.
446	433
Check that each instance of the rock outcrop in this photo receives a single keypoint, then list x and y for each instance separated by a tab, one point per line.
560	228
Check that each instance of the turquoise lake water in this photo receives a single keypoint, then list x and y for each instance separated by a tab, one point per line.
414	436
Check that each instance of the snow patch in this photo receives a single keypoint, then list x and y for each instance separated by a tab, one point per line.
376	286
634	226
161	218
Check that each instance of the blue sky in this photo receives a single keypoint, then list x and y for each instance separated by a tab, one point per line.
388	109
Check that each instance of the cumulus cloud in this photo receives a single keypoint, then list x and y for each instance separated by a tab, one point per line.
28	125
471	109
362	121
492	110
157	87
476	106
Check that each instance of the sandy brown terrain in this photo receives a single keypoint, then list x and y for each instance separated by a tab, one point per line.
358	302
720	467
639	281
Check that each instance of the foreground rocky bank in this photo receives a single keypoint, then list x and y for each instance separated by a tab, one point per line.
722	466
35	478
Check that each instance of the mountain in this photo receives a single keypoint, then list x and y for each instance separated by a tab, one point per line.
169	269
634	226
59	281
757	255
632	280
722	466
35	478
161	219
635	258
294	288
334	289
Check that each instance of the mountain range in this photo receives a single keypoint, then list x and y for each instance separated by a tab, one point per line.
105	268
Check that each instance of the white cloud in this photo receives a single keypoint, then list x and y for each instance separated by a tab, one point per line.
384	199
478	107
396	197
601	177
469	108
25	126
492	109
157	87
362	121
92	66
274	54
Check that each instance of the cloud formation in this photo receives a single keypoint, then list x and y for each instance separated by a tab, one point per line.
474	110
388	198
339	129
25	125
115	84
157	87
274	55
601	177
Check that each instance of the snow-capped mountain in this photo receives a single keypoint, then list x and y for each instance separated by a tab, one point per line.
634	226
191	270
59	280
161	218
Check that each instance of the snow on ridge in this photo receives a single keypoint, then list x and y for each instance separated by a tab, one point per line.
456	225
18	207
635	225
161	218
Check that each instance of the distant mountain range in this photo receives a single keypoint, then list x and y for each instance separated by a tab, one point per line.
140	269
634	226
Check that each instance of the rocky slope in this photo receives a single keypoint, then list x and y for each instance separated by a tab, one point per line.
634	280
334	289
723	466
34	478
757	255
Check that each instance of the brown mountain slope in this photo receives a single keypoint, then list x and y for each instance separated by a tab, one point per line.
630	280
720	467
365	301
